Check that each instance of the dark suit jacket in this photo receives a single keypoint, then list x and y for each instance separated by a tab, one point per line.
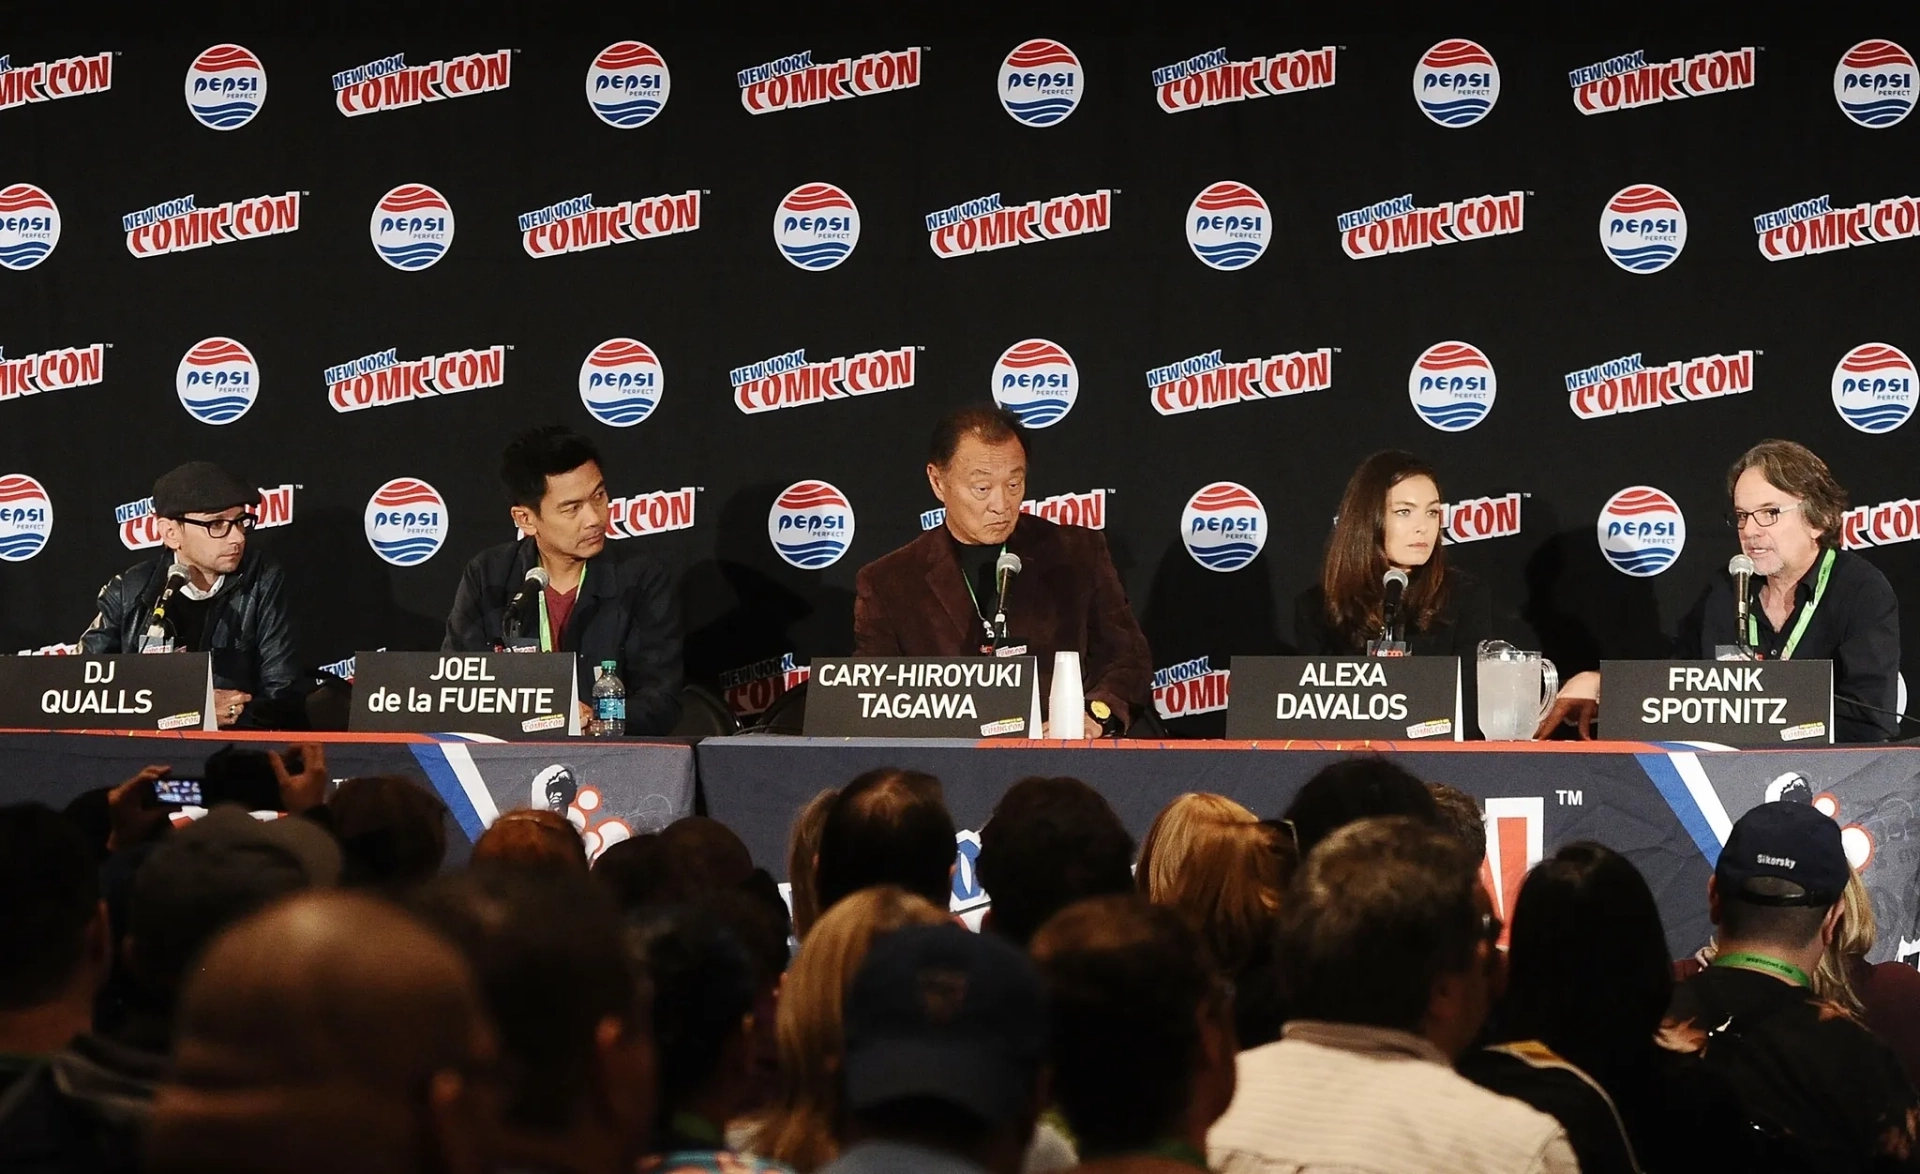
626	613
1068	597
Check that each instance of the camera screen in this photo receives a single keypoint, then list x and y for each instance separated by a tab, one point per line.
179	792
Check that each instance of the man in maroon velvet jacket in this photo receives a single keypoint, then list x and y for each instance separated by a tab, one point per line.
936	596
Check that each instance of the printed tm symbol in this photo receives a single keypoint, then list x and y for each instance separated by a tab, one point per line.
1569	798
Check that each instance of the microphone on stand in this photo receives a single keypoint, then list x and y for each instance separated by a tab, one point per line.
159	637
1393	585
1004	569
514	620
1741	568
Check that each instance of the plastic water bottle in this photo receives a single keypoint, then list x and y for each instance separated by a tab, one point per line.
609	702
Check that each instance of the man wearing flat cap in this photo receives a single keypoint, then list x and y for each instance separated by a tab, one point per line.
232	604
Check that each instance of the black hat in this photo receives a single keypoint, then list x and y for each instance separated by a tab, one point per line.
1784	841
937	1012
200	487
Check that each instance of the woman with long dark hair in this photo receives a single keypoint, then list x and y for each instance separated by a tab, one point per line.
1391	518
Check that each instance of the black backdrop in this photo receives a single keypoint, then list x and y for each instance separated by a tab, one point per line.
1540	303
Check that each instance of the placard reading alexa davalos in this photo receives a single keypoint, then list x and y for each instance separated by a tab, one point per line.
1345	697
1733	702
921	697
127	691
512	695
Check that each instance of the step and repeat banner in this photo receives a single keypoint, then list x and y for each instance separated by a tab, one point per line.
1211	271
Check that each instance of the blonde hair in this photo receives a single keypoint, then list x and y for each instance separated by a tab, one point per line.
803	844
1853	939
798	1130
1215	864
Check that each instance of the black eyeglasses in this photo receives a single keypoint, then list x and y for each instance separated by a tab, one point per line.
1766	516
221	527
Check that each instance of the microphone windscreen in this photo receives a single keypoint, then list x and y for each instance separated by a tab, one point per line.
1394	575
179	570
1007	564
1739	564
538	575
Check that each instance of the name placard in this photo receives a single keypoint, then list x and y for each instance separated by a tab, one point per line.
126	691
1386	697
1733	702
512	695
921	697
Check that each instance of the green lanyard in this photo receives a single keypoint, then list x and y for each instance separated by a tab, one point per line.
1172	1149
1761	962
546	632
968	580
1806	613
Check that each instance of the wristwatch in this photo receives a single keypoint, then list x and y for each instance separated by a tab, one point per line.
1110	723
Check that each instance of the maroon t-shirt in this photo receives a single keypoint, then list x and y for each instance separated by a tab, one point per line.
559	610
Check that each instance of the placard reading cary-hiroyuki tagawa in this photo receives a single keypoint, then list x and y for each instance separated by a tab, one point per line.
1386	697
511	695
922	697
172	691
1733	702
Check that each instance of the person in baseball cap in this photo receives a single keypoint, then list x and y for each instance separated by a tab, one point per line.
946	1034
206	591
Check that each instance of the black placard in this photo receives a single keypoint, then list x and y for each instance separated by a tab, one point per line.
921	697
1733	702
513	695
1389	697
173	691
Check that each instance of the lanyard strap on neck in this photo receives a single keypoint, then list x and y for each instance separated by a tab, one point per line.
547	635
1170	1149
1806	613
1747	960
968	580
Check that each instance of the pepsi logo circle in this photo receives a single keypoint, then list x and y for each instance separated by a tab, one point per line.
1874	83
1456	83
29	226
627	84
406	521
1041	82
26	517
1229	225
1224	526
620	382
1452	386
225	88
412	227
1874	387
1643	228
816	226
1641	531
217	380
1036	381
810	525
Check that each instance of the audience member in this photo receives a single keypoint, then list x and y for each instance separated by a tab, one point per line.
1460	814
887	827
1362	787
803	848
799	1130
1588	982
1219	867
633	871
572	1019
946	1041
1816	1084
328	1033
392	831
1049	842
54	926
1386	961
533	839
1142	1035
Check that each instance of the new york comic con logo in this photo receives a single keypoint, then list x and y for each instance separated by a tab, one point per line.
181	225
816	226
628	84
406	521
225	87
1212	79
793	81
1641	531
1456	83
55	370
984	225
217	380
1629	81
1627	384
1874	83
621	382
29	226
26	517
139	526
1223	526
1401	226
48	81
1228	225
789	381
1452	386
1209	381
1874	387
1191	687
577	226
382	379
810	525
1037	381
1643	228
1041	82
411	227
389	83
1816	226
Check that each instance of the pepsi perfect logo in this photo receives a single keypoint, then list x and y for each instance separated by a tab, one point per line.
1643	228
1229	225
1224	526
1041	82
1874	83
621	382
225	87
810	525
1036	381
406	521
1641	531
1874	387
1452	386
1456	83
26	517
217	380
412	227
29	226
816	226
627	84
